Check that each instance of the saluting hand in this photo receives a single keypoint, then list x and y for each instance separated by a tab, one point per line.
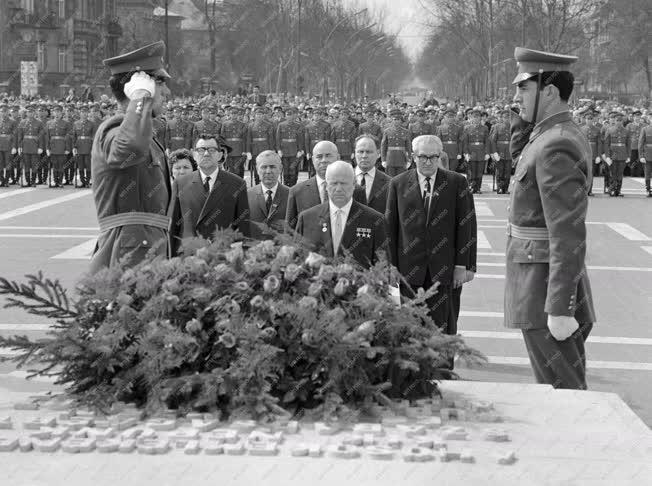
141	84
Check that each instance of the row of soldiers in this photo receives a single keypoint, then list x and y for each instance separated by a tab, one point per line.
52	144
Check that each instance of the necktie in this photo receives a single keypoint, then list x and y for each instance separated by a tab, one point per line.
207	186
268	201
426	195
322	192
363	181
337	231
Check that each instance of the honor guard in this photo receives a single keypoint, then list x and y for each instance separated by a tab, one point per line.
207	125
343	134
8	147
131	180
475	143
499	145
83	132
617	147
30	139
234	133
634	129
289	145
591	130
316	131
260	137
395	146
58	143
450	134
645	154
178	132
419	126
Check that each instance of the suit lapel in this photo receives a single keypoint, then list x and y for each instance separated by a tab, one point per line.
260	201
213	197
313	190
349	227
276	202
413	195
440	184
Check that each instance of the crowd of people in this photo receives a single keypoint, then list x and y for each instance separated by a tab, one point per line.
49	142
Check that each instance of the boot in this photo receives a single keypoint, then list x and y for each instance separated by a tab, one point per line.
3	179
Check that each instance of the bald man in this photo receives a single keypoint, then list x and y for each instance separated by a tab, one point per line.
267	200
342	226
312	192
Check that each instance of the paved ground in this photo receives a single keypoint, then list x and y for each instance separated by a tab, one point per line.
54	231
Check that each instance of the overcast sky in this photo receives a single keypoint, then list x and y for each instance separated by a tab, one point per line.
404	17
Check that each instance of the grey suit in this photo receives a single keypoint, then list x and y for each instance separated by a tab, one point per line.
263	224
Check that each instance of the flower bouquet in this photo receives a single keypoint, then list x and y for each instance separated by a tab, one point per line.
254	329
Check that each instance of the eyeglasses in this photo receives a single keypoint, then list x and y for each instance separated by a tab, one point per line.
428	158
207	150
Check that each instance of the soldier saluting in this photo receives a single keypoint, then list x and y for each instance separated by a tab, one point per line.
131	183
547	290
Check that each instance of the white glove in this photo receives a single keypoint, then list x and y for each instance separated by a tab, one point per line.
140	81
74	151
248	156
66	152
299	153
486	157
604	157
597	160
467	157
47	152
167	152
308	156
384	164
643	161
562	327
13	151
20	151
280	153
459	157
495	156
627	161
40	151
608	161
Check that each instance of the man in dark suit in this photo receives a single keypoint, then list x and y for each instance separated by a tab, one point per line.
374	182
257	98
312	192
208	198
431	229
267	200
341	224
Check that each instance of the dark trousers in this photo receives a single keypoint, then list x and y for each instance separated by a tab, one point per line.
84	167
503	173
647	167
606	172
561	364
290	170
477	168
616	175
635	169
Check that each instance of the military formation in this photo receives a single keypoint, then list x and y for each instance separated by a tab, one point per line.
50	144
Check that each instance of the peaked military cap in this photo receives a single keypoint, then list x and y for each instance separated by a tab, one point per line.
147	58
531	62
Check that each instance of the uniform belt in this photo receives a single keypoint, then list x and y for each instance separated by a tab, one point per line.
450	141
396	147
342	140
618	144
502	141
527	233
260	139
34	137
84	137
57	137
135	217
177	138
477	143
234	139
288	140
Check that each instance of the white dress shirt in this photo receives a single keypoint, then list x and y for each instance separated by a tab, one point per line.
320	181
273	189
345	215
369	179
213	177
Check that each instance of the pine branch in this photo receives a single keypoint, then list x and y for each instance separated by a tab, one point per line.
28	296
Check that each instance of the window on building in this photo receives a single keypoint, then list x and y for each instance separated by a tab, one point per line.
62	9
27	5
40	56
62	59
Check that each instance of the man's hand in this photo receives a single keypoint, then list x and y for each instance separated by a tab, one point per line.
459	157
643	161
597	160
470	275
20	151
495	156
467	157
13	151
608	161
248	156
384	164
140	85
280	153
66	152
486	157
459	276
47	152
627	161
40	151
299	153
74	152
562	327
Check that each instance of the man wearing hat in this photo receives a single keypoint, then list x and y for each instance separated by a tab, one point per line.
315	131
634	129
289	146
419	126
645	153
475	143
58	143
7	145
395	146
260	137
547	289
499	137
450	134
591	130
343	134
30	139
207	125
234	133
617	147
178	133
131	181
83	132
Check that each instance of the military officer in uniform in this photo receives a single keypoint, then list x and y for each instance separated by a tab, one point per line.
131	181
450	134
395	146
475	143
260	137
591	131
83	132
499	141
315	131
634	129
547	289
289	146
645	154
371	127
207	125
178	133
7	145
617	147
234	133
58	142
343	134
30	138
419	126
